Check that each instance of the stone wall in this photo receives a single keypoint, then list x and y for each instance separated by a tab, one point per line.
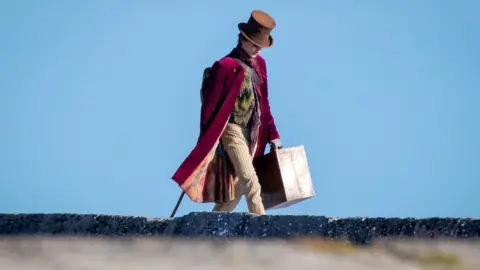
239	225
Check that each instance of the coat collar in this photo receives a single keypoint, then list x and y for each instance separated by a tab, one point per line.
239	53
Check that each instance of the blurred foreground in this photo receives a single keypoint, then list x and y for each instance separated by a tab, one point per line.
143	253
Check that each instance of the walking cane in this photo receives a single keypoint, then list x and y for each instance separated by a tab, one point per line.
178	204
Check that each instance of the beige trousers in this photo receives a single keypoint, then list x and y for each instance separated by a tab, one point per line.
236	141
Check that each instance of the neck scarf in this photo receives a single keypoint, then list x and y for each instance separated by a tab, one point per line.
239	53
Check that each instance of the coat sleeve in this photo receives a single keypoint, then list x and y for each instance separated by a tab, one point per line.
213	90
272	132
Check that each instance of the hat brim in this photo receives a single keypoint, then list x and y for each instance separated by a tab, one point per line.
242	27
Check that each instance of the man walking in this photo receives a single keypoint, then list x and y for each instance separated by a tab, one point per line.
236	124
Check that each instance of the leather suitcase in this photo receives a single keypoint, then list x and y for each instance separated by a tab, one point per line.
284	177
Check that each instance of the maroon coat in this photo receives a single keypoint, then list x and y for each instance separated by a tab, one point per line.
205	175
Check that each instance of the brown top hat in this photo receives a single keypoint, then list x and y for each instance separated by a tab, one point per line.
258	29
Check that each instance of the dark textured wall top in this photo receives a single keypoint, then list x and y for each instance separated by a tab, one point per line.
223	225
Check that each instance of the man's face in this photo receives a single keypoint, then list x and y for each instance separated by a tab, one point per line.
251	49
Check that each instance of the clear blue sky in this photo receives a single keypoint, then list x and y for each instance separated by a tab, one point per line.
99	102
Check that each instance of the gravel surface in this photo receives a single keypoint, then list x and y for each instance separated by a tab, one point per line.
239	225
